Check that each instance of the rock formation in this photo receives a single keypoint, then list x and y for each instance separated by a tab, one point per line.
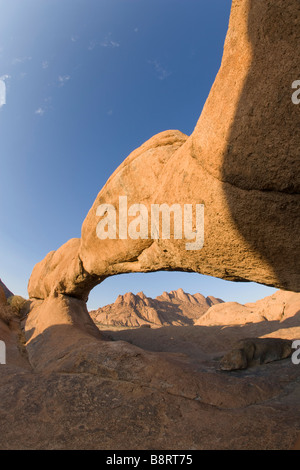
7	292
280	306
241	162
174	308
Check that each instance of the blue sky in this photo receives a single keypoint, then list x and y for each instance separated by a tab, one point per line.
87	82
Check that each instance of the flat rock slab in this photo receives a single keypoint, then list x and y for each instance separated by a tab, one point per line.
85	411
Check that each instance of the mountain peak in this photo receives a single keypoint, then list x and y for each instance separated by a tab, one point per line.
141	295
129	298
173	308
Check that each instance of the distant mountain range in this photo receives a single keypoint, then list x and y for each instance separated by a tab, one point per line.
7	292
173	308
181	309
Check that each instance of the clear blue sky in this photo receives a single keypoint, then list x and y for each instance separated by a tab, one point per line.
87	82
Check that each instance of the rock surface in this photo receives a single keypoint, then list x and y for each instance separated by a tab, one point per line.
7	292
174	308
144	388
73	391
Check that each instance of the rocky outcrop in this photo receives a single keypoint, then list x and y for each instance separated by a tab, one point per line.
174	308
7	292
279	306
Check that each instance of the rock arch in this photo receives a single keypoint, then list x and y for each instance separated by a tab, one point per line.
241	162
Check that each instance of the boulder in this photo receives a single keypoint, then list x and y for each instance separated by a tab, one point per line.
254	351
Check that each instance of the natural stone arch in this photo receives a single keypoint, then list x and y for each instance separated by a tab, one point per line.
210	167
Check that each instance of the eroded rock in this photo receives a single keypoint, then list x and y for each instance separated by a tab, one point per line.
253	351
241	162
